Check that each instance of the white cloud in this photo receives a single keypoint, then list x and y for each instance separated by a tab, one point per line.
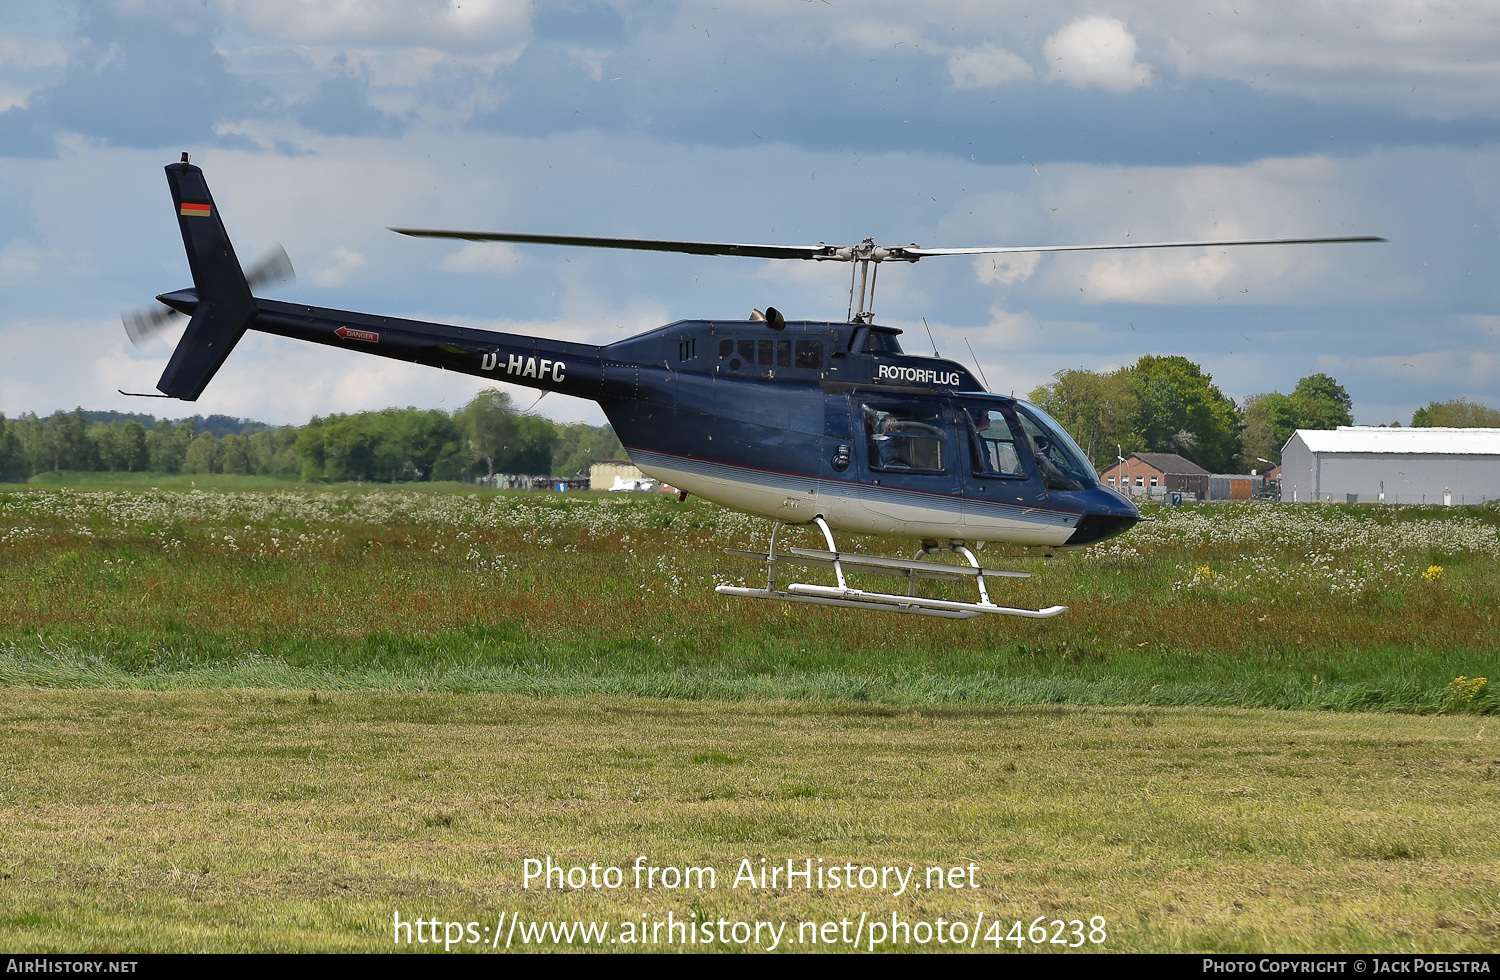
1007	268
1025	331
463	25
1305	197
1151	277
1427	57
874	35
589	60
344	263
483	257
26	65
30	52
987	66
12	96
1096	51
18	263
1466	369
1316	300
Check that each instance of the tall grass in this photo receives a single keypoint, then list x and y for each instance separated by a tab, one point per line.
1280	606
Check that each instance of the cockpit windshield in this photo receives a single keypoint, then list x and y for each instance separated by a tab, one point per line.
1062	463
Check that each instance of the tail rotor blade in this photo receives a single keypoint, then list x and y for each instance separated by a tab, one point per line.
274	267
144	325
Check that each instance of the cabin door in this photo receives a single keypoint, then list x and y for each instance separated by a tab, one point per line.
909	460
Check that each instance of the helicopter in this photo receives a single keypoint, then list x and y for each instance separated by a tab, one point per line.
805	422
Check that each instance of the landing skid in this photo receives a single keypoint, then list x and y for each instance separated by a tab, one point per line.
844	595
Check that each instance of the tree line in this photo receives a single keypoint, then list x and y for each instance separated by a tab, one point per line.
1158	404
486	436
1169	405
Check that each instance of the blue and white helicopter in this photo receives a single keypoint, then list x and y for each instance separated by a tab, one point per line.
801	421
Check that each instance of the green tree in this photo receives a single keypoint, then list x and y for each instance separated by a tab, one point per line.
1100	411
505	440
1182	411
312	447
1458	414
203	454
579	445
234	455
62	443
274	452
167	445
435	448
1322	403
11	460
1269	421
1318	402
121	445
31	441
386	446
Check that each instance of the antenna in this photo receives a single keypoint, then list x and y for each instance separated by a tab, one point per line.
934	342
976	363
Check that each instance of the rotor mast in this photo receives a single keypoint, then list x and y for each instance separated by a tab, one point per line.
861	257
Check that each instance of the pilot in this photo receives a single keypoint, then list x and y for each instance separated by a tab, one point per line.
999	451
885	443
1052	475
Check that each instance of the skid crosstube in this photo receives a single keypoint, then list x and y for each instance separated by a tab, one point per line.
848	597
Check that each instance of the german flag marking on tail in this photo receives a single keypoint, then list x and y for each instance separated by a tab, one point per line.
194	210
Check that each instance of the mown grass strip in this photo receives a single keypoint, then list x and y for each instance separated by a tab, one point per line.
1024	681
278	820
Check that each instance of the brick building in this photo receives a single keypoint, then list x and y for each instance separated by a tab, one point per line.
1152	474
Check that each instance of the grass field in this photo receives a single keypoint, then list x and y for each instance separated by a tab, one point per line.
255	820
273	718
1316	607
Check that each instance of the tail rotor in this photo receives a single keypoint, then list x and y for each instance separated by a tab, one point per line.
273	268
146	324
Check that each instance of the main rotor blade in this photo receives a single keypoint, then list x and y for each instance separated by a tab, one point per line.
274	266
865	251
913	252
644	244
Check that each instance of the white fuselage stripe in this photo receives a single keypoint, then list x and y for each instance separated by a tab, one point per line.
850	506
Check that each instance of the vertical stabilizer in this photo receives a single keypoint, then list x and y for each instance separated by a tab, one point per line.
225	306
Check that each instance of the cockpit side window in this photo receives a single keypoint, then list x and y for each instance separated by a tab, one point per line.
905	437
993	442
1060	460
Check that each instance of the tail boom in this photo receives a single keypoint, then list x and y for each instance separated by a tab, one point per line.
534	362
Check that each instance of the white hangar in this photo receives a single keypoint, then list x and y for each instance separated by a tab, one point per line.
1397	466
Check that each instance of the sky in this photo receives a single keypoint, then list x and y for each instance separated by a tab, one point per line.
321	123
